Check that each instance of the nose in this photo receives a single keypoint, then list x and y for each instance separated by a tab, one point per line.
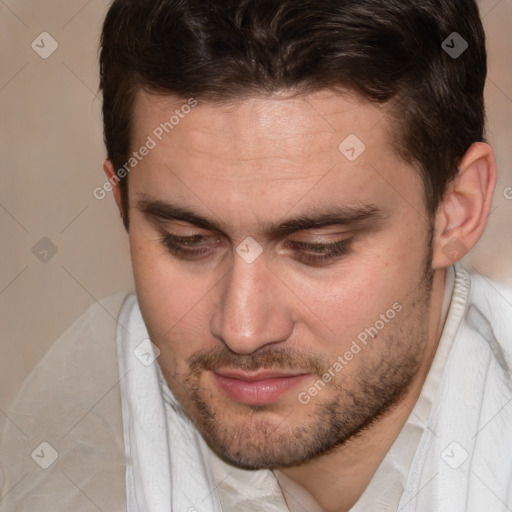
252	311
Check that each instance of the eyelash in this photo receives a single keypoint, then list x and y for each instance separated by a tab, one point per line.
325	252
175	246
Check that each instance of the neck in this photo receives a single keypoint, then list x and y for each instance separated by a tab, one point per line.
334	482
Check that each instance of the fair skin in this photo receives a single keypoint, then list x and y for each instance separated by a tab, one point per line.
241	340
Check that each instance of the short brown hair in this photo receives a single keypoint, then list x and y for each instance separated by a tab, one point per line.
388	51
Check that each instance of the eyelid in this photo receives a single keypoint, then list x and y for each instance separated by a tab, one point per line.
320	235
188	231
324	231
305	244
319	243
188	239
323	254
313	253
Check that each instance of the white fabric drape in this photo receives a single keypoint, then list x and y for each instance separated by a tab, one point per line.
460	464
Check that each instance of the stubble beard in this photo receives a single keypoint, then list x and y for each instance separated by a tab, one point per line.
262	437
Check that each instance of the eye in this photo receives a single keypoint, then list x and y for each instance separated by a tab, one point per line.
318	253
190	247
196	246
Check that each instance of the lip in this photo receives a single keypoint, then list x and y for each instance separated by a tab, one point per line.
257	388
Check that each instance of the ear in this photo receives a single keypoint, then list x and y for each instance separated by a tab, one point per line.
463	212
113	180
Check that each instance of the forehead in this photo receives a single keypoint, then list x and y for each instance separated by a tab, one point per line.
281	124
280	151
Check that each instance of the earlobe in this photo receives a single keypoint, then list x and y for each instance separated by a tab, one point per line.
463	212
113	180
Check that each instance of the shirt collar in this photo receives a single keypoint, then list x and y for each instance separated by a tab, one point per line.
256	490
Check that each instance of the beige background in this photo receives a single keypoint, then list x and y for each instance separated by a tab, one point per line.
52	153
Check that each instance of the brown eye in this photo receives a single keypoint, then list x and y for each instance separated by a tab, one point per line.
316	253
190	247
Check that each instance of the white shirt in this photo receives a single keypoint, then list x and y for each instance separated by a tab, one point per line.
100	422
387	484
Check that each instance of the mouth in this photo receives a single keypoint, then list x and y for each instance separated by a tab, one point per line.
257	388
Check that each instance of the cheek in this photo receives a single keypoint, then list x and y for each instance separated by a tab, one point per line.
341	304
174	300
330	307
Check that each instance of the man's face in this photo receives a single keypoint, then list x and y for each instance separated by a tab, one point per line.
250	329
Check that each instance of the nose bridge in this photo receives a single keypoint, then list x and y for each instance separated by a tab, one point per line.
250	313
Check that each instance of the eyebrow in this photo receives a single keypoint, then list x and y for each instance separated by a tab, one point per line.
317	217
